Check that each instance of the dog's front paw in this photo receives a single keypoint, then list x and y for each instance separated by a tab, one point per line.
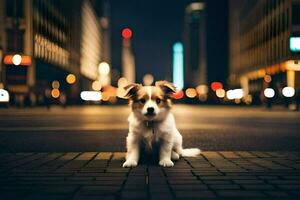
130	163
166	163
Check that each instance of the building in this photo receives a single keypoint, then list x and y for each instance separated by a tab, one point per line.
128	62
264	46
195	65
52	42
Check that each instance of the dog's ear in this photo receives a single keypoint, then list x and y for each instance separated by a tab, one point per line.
167	87
131	90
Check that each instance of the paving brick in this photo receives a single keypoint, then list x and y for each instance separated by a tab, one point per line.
47	197
141	194
91	190
189	187
245	154
258	187
217	182
211	155
94	197
119	156
161	196
184	181
103	156
86	156
239	193
249	181
289	187
229	154
225	187
194	194
276	194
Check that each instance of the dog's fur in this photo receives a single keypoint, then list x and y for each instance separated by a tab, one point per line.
151	123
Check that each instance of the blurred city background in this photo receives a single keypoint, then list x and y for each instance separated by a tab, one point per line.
78	52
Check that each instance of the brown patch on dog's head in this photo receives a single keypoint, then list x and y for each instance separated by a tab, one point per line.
167	87
131	90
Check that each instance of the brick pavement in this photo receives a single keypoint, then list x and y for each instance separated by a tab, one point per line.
99	175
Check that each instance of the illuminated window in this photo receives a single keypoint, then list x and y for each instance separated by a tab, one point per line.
295	44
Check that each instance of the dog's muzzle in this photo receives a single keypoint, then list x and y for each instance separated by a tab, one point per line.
150	112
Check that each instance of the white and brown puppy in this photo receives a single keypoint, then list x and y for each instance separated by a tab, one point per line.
151	122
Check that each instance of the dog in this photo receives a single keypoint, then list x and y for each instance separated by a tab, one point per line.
151	123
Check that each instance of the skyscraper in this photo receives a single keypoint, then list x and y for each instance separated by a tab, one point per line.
128	62
195	45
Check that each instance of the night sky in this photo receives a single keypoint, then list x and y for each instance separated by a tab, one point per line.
156	25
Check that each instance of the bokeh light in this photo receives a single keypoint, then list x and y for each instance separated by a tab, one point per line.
71	78
230	94
178	95
122	82
216	85
4	96
269	92
148	79
126	33
55	93
220	93
267	78
17	59
104	68
96	85
105	96
191	93
90	95
202	89
288	92
55	84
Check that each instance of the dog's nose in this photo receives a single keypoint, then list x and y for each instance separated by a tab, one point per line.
150	110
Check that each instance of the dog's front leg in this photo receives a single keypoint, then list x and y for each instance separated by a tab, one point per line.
133	152
165	154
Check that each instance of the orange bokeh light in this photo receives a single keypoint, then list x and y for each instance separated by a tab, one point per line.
55	93
71	79
25	60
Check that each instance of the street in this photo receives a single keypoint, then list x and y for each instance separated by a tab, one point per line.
77	153
104	128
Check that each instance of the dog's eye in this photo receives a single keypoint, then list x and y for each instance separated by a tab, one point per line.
142	101
158	100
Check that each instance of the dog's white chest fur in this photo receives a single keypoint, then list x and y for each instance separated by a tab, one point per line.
151	132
